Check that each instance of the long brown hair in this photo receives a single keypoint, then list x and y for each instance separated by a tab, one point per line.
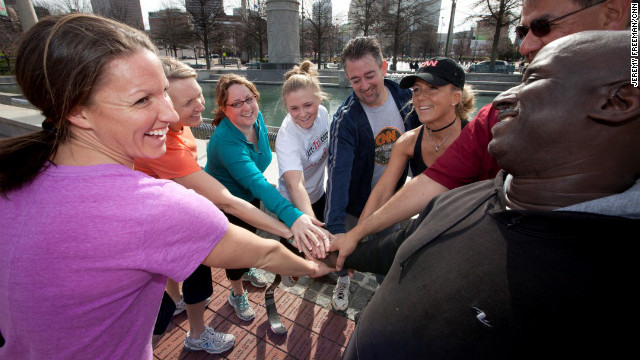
222	93
60	62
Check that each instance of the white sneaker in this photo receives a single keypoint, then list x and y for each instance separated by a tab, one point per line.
210	341
242	306
289	281
256	278
340	300
182	306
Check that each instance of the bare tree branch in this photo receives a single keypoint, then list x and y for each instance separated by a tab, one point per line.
321	29
254	31
65	6
10	30
173	30
401	17
499	14
205	15
364	15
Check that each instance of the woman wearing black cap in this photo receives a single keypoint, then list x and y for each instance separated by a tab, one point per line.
442	102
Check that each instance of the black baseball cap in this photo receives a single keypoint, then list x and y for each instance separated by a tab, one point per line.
437	71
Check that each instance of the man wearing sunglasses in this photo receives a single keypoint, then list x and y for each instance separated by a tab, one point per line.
546	20
467	160
536	263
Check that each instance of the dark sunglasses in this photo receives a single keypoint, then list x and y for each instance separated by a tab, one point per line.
542	27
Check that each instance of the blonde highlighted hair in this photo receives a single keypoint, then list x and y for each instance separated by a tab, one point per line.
303	76
467	102
176	70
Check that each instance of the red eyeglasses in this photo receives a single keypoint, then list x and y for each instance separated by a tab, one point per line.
542	27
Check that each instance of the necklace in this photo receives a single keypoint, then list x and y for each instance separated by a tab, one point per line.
442	128
432	137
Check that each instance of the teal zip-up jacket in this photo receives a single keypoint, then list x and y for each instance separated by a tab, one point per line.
236	163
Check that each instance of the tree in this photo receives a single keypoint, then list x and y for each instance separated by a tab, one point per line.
10	30
204	16
320	29
255	28
400	17
426	39
115	11
499	14
462	44
364	15
174	31
65	6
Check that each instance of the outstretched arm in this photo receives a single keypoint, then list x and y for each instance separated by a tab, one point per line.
207	186
239	248
295	184
407	202
300	198
245	172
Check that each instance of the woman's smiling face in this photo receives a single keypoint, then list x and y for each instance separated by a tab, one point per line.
434	104
188	101
245	115
131	111
302	105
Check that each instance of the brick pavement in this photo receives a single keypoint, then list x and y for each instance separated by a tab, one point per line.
315	330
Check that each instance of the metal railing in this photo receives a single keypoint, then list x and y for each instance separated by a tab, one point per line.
206	129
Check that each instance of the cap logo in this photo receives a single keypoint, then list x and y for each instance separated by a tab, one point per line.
429	63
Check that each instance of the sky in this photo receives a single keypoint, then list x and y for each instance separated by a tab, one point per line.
340	9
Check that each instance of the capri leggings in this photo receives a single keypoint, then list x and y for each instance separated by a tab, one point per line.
236	274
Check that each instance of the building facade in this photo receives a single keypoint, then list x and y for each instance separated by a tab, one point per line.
420	17
126	11
210	6
322	9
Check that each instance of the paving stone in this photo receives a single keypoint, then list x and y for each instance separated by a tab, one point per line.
315	330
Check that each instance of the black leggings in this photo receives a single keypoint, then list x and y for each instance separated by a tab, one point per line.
236	274
198	286
318	207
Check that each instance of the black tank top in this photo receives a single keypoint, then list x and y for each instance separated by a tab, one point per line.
416	163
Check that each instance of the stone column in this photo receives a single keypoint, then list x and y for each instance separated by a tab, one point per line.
283	32
27	14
